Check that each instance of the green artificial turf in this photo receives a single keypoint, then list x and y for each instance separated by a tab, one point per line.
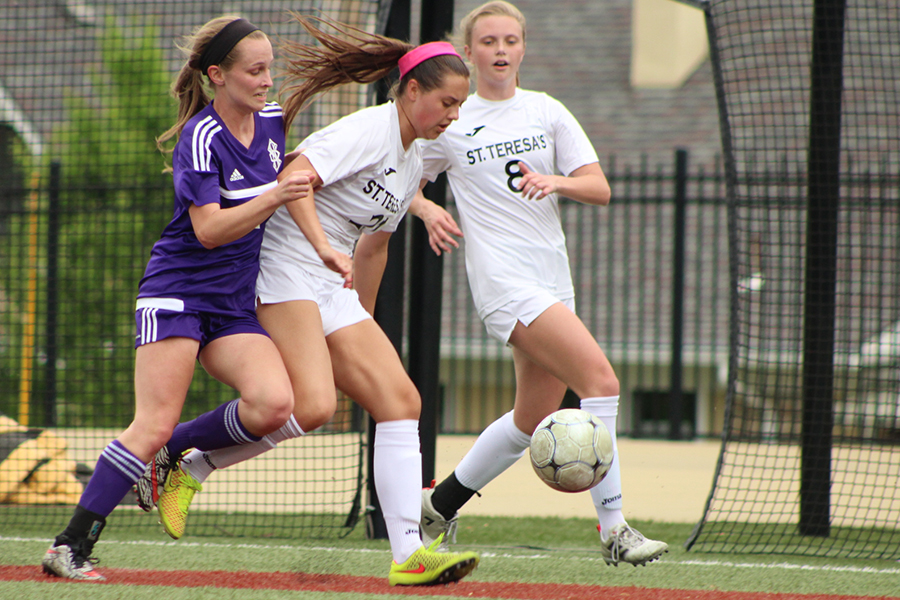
528	550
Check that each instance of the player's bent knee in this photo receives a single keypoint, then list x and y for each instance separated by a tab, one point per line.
266	412
603	386
312	409
146	437
266	422
409	403
314	417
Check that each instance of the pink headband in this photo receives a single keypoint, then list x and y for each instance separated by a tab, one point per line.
420	54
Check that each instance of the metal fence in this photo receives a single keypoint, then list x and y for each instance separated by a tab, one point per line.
651	296
83	198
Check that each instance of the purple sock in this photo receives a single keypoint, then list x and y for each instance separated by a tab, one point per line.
219	428
117	470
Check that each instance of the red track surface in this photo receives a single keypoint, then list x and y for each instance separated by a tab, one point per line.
379	585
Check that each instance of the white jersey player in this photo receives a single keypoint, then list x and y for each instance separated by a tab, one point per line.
514	244
367	182
365	168
508	159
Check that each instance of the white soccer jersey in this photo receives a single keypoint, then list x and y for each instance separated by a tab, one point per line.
512	244
368	183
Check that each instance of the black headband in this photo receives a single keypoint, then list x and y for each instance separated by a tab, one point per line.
223	42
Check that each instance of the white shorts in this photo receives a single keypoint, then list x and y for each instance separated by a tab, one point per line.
501	322
338	305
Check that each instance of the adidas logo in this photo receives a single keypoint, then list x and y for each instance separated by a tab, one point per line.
236	176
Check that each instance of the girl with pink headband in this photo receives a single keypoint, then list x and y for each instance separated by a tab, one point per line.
321	264
422	53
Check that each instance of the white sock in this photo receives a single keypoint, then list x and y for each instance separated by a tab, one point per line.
607	495
398	481
200	464
498	447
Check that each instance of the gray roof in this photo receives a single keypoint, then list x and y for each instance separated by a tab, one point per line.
579	55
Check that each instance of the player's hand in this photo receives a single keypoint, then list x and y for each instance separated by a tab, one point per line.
441	227
339	263
348	280
294	186
536	186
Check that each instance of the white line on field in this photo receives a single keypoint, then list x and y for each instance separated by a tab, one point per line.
692	563
789	567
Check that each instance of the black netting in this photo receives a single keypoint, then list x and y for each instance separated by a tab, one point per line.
83	95
810	104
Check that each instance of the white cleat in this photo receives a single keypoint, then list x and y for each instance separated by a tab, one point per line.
625	544
70	563
433	524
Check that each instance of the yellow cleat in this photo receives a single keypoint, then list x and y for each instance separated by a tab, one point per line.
175	501
430	567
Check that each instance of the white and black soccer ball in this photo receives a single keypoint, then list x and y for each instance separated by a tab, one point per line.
571	450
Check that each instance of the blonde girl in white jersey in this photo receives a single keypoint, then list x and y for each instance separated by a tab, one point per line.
365	169
501	160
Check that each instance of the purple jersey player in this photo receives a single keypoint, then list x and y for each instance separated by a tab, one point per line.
212	167
196	299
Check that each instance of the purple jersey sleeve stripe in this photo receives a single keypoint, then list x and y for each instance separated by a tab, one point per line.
203	135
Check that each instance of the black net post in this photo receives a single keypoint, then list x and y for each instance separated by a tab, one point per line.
389	303
426	276
676	398
52	294
826	84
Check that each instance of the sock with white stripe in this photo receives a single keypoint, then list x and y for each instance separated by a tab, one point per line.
219	428
398	480
201	464
117	470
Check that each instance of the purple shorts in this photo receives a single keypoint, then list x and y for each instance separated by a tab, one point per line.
161	318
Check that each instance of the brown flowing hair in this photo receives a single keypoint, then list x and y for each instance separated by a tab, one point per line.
189	87
350	55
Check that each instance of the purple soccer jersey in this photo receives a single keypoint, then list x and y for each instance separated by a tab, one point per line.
211	165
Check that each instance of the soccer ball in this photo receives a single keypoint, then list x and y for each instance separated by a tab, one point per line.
571	450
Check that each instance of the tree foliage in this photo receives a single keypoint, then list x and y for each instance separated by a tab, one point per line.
114	201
